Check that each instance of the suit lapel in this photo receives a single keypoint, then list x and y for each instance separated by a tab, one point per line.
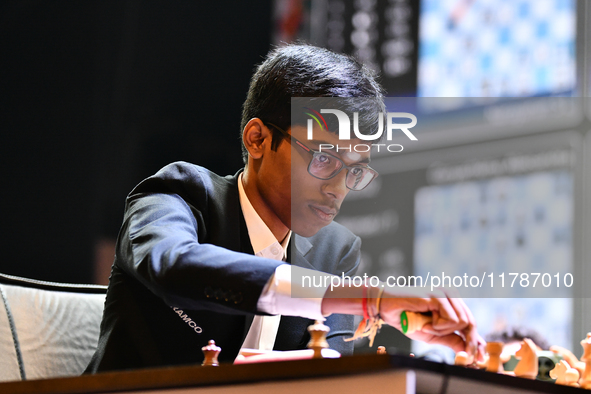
293	333
298	249
238	238
245	247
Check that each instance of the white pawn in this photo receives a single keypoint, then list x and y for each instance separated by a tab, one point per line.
494	350
318	341
462	359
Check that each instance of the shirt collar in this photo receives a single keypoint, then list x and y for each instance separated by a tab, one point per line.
260	235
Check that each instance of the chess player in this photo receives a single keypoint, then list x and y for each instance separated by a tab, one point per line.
200	256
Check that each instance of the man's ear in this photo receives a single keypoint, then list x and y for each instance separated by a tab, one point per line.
256	136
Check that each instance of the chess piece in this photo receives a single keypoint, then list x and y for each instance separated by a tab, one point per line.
494	350
382	350
461	359
564	374
570	358
318	341
527	367
586	358
571	377
411	321
211	352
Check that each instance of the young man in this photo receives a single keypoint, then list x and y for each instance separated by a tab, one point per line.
203	257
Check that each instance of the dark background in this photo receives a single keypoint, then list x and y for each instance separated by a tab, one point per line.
96	96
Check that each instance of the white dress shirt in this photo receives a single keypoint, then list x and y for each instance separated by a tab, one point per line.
276	296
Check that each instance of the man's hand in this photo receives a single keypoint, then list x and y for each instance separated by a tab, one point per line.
452	322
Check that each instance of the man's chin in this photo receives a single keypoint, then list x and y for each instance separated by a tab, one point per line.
307	229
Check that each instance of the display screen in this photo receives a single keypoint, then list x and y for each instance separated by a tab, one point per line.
518	224
496	48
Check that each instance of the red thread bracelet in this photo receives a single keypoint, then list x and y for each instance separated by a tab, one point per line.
364	304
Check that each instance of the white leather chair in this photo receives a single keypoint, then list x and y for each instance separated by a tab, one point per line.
47	329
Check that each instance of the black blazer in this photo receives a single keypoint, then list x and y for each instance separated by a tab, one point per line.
184	273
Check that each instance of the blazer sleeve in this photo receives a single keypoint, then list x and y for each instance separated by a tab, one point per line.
159	246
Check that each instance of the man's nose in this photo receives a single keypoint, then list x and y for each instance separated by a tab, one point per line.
336	188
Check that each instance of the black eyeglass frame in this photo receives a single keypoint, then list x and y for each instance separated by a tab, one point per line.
314	153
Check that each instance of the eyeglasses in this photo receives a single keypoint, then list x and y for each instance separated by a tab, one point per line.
325	166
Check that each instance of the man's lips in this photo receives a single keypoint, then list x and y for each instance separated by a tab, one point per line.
326	214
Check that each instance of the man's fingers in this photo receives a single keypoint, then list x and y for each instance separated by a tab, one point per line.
475	344
447	316
452	323
462	311
445	319
453	341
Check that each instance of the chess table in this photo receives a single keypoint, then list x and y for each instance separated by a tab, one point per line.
355	374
